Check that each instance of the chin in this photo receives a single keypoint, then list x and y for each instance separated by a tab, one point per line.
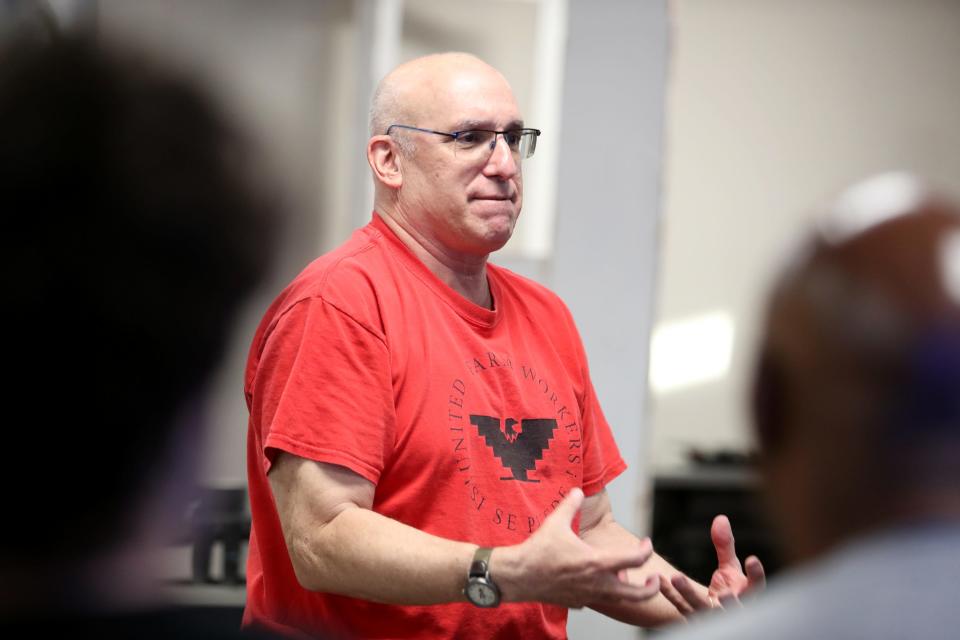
496	244
499	232
491	238
493	223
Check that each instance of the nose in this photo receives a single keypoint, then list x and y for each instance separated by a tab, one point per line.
502	161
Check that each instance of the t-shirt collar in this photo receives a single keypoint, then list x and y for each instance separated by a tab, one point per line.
466	308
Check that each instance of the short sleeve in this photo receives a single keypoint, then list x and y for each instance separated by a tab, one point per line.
602	461
323	390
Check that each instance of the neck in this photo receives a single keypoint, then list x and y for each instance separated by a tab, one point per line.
465	274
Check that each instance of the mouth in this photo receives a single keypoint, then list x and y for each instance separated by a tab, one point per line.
495	197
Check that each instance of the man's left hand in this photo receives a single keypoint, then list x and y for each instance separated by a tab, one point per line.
728	583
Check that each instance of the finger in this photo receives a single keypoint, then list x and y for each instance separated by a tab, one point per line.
673	596
567	510
651	586
625	559
635	593
695	598
721	533
756	576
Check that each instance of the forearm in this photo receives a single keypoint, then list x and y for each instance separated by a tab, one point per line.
656	611
337	544
365	555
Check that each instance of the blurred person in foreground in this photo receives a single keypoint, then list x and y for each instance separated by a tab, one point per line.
427	456
857	410
133	232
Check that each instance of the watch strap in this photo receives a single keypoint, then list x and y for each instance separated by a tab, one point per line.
480	565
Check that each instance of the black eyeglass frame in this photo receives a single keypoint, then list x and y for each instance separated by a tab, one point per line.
456	135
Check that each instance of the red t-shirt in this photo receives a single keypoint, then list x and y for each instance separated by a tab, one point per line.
472	423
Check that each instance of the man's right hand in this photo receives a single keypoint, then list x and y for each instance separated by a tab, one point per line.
554	565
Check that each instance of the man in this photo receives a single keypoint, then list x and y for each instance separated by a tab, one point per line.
857	409
418	414
133	232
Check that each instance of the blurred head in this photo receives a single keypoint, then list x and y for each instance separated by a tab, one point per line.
465	200
857	393
133	232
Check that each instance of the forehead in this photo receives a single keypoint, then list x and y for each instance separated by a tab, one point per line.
466	97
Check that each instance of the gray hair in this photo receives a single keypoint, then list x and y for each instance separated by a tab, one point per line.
385	110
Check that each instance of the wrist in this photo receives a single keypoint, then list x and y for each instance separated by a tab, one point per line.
480	589
505	570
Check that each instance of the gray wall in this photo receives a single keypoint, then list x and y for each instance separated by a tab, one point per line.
608	212
774	106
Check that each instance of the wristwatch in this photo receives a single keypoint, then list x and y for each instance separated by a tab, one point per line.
480	589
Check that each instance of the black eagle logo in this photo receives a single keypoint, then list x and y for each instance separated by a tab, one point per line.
518	448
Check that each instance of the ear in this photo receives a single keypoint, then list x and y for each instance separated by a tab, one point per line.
385	161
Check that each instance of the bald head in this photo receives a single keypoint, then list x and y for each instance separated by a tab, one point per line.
857	397
407	94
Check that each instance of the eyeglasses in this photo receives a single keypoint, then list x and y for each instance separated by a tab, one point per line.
478	142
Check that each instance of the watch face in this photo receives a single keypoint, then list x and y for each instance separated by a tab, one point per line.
482	594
